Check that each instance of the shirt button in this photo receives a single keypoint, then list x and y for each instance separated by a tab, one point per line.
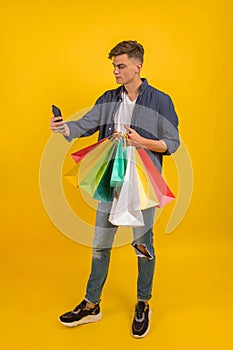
109	128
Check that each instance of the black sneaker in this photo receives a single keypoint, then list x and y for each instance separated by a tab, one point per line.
81	315
141	322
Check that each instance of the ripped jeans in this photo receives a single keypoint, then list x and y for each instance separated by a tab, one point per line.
102	245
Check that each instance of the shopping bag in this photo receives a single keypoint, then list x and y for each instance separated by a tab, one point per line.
147	194
125	210
72	175
79	155
84	165
104	191
161	189
94	173
118	167
92	158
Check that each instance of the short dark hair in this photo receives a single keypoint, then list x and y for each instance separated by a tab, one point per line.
130	47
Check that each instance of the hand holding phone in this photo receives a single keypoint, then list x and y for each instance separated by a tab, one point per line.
57	113
63	128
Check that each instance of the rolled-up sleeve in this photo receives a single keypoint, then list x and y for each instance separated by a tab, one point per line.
168	125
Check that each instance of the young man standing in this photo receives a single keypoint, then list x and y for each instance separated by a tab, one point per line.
149	116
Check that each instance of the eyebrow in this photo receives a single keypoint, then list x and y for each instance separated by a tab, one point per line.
120	64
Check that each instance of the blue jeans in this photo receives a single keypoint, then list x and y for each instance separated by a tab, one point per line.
102	245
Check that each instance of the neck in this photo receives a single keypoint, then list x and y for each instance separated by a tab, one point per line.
133	87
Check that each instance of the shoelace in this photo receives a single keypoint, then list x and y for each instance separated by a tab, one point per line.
80	306
140	310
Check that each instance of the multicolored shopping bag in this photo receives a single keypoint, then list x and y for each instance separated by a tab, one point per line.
89	156
161	189
80	154
113	170
118	168
114	174
72	175
104	191
95	170
147	194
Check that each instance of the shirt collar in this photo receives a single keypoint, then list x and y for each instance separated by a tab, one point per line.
142	88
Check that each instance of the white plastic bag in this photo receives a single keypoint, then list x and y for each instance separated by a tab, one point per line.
125	209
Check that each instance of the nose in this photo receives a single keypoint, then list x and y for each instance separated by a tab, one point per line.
115	70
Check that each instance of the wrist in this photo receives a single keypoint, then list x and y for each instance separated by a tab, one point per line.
66	132
143	142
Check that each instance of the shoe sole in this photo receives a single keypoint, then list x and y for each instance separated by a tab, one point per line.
148	329
87	319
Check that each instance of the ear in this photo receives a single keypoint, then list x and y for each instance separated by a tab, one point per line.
139	67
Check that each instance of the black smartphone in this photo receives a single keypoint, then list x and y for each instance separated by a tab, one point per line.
56	112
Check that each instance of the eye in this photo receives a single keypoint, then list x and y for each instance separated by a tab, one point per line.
119	66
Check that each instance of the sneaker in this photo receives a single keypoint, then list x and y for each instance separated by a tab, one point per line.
81	315
141	322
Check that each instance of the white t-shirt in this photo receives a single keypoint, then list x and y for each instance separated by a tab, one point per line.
124	113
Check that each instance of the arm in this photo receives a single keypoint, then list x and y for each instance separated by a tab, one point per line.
168	125
152	145
85	126
167	137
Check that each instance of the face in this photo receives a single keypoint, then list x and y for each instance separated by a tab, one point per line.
126	70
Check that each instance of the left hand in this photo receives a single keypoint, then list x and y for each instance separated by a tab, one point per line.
134	137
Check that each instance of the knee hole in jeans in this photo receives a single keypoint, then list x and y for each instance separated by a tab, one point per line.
142	251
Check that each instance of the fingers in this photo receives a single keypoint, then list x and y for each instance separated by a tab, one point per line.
128	128
134	143
57	125
56	121
59	129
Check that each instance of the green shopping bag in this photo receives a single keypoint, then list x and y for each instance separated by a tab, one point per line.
91	181
118	169
104	191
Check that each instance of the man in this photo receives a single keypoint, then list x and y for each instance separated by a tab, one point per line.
148	115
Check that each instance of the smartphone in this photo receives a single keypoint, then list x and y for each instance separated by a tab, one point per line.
56	112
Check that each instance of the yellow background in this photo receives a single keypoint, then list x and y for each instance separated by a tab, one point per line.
56	52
